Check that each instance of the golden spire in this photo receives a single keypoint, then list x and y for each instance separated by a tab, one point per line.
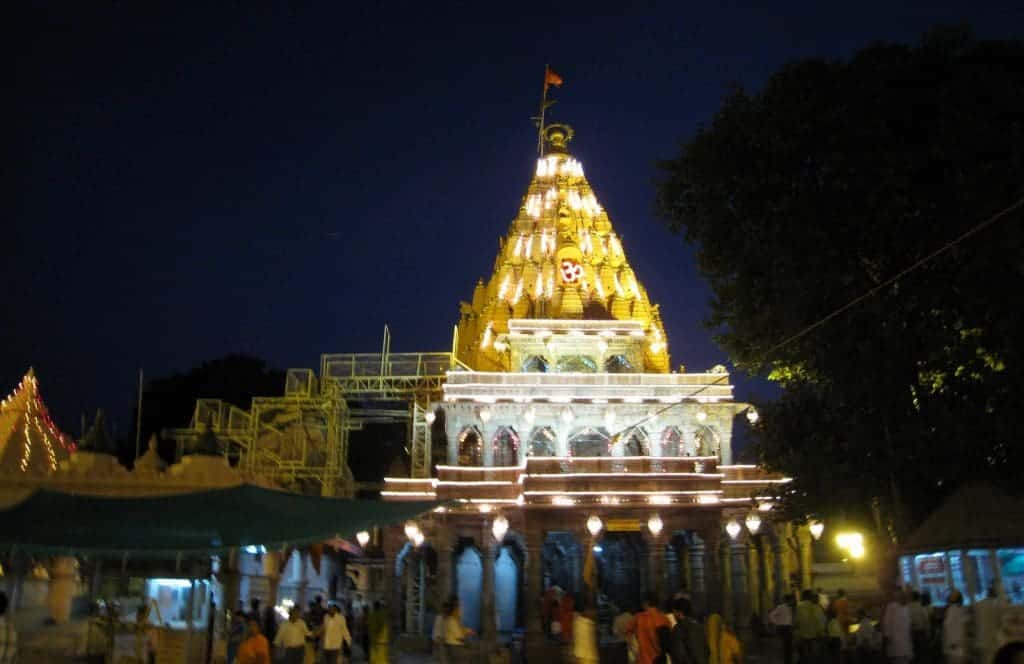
561	259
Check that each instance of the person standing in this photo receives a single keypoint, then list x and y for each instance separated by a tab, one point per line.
566	611
255	649
866	640
688	640
808	627
620	628
335	635
781	617
236	633
645	626
920	625
899	645
8	635
987	624
292	637
723	646
380	633
584	636
954	630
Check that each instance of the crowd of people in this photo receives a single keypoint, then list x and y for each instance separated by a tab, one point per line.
320	635
817	629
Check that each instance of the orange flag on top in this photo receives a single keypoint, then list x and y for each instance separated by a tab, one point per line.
551	78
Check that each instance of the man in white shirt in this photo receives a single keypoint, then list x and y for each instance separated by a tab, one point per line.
782	618
292	637
336	635
899	647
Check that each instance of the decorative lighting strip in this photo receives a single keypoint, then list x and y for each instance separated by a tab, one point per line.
622	474
408	494
481	468
784	480
623	493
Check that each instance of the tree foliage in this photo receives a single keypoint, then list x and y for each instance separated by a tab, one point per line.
819	188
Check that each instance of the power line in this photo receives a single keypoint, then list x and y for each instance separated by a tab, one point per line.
974	230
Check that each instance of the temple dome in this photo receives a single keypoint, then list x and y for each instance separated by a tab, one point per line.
560	259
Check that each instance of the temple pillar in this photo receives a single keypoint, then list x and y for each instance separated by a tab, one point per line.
728	584
230	580
753	588
488	618
445	563
781	567
562	433
712	567
804	539
534	597
61	589
487	441
767	566
656	567
272	572
452	437
970	576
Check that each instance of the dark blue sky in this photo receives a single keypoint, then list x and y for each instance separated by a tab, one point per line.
283	180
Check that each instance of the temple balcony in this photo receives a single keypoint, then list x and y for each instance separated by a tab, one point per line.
491	387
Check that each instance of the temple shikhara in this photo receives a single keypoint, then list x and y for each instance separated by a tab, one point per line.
574	459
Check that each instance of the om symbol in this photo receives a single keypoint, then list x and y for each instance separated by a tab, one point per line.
571	271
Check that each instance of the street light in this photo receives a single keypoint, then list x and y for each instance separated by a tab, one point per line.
499	527
733	528
594	525
655	524
363	538
753	523
817	528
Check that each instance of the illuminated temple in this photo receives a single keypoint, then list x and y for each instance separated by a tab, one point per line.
562	433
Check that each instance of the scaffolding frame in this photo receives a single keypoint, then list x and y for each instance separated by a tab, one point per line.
300	439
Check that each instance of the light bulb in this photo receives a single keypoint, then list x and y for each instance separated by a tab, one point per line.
568	416
594	525
752	415
701	416
817	528
733	528
429	417
530	415
411	528
485	415
655	524
499	527
753	523
363	538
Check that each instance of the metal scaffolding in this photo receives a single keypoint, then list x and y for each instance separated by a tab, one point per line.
300	439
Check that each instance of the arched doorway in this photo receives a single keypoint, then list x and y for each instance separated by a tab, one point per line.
543	442
636	443
707	441
576	364
535	364
590	442
562	562
622	568
415	570
505	447
470	447
469	582
672	442
508	571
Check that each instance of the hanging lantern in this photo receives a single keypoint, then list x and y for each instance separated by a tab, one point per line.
594	525
733	528
363	538
499	527
609	418
429	417
752	415
568	416
417	541
817	528
655	524
753	522
485	414
530	415
411	529
701	416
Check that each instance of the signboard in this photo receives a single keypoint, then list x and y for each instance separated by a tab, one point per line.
931	570
623	525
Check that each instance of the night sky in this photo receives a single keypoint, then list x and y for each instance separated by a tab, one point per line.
282	181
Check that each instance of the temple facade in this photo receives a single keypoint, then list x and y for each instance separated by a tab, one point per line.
573	459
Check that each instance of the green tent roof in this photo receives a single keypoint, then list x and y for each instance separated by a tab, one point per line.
204	522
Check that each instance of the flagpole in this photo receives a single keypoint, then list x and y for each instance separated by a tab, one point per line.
543	107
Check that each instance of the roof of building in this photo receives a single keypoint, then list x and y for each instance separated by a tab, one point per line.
561	259
975	516
30	442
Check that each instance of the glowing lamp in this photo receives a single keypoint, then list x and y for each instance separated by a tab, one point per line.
655	524
499	527
701	416
752	415
363	538
411	529
417	541
485	508
733	528
602	346
530	415
429	417
485	415
594	525
817	528
753	522
568	416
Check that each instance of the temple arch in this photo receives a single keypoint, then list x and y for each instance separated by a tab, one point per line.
576	364
672	442
469	580
505	446
707	441
535	364
619	364
589	442
470	447
636	443
543	442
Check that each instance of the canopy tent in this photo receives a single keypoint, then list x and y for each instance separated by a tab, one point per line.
200	523
975	516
